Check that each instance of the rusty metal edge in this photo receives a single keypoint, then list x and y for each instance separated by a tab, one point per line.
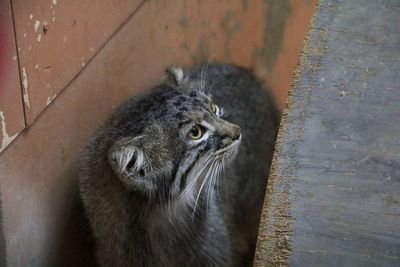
276	225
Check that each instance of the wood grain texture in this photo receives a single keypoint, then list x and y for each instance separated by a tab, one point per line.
334	192
56	39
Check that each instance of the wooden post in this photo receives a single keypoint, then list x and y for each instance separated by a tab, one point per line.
333	197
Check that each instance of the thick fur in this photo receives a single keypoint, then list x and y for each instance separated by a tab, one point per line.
156	196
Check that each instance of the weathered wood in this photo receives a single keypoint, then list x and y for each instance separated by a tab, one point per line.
333	197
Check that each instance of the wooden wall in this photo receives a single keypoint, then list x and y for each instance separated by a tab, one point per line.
65	65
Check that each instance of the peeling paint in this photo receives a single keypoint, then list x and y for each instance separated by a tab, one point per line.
36	66
24	35
14	58
31	16
45	27
54	2
50	99
39	37
24	78
6	138
25	85
37	25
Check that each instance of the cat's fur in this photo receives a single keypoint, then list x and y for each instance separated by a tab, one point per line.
156	197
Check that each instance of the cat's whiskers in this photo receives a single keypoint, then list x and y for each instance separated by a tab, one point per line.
220	167
222	158
171	205
206	178
203	78
217	175
203	82
210	185
213	166
194	179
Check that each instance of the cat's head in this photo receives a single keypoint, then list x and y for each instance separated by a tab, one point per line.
173	142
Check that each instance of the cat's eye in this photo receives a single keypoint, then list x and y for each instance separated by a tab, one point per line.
214	108
196	132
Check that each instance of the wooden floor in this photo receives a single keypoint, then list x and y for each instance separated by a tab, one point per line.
334	194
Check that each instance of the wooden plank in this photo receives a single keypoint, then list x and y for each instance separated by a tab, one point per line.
333	197
11	108
56	39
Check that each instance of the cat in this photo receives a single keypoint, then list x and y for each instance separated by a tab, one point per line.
177	175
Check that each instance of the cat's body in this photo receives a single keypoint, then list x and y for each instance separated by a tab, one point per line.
149	179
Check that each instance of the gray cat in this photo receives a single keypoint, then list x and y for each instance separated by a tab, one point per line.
172	180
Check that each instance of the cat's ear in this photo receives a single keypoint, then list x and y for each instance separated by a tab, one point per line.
174	76
130	162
